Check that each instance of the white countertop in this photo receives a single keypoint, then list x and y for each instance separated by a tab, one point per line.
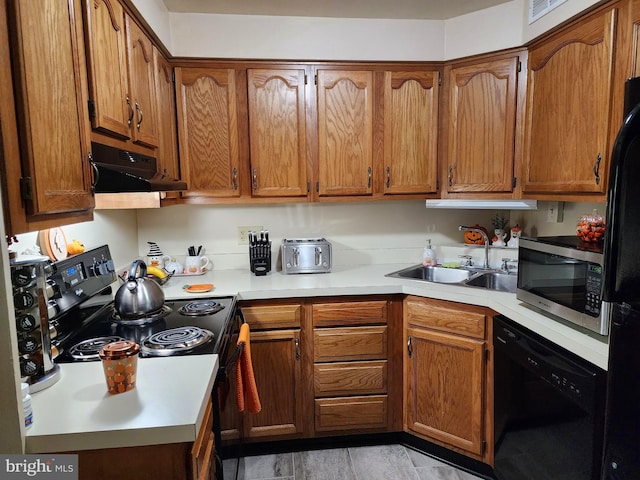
371	280
168	403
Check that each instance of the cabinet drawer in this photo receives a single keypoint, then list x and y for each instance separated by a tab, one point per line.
261	317
463	319
350	378
349	313
350	413
353	343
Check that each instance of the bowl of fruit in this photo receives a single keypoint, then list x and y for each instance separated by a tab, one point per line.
591	227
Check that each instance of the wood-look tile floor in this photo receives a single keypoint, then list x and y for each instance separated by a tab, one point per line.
384	462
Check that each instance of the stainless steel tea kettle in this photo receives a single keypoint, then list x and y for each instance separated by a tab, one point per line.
139	296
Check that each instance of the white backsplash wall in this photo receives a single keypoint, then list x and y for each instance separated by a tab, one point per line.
360	233
535	224
116	228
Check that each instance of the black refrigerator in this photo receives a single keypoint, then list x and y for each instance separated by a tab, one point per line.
621	292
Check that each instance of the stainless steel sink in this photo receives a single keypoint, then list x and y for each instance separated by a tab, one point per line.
502	282
491	280
433	274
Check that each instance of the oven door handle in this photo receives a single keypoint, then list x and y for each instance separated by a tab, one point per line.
236	354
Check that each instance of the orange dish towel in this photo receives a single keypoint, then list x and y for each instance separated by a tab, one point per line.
246	390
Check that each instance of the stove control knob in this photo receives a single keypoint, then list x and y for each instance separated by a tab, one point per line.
52	289
52	308
53	331
49	268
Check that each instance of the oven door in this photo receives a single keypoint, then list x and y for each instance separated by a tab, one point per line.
227	421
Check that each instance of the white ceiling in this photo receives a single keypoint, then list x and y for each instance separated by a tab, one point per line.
397	9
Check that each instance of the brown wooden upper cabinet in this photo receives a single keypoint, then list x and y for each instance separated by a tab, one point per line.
50	164
121	74
480	126
167	153
208	131
569	101
277	133
410	132
345	132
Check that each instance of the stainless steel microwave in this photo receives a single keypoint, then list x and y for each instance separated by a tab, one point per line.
563	277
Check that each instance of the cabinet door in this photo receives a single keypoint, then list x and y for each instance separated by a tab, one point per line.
568	108
208	131
444	388
277	367
144	128
481	126
410	132
277	133
107	66
167	153
345	133
51	100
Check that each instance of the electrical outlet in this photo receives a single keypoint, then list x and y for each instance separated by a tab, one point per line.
243	233
555	212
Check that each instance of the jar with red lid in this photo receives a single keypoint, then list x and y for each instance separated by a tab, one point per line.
120	364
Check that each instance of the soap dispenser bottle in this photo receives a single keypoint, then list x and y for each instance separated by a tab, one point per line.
429	255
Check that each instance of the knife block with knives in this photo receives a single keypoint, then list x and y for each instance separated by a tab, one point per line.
260	252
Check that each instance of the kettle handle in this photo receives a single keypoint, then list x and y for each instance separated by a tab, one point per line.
133	271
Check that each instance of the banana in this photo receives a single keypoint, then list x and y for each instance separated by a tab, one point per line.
156	272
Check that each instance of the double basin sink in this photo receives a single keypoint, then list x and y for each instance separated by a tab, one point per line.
496	280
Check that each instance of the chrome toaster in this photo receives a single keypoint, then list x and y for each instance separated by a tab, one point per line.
306	255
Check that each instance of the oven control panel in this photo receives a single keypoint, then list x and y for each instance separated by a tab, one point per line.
80	277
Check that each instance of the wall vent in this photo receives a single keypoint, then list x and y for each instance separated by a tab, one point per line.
539	8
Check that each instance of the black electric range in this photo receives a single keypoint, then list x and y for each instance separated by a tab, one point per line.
87	319
183	327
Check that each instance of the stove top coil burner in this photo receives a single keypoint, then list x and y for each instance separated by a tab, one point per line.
88	350
142	319
200	308
175	341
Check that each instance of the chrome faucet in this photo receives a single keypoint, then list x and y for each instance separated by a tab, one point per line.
462	228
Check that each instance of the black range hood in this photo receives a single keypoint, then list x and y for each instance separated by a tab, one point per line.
118	171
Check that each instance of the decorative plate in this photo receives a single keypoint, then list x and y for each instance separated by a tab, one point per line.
54	242
199	288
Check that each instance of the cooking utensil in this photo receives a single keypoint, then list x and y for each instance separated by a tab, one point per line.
139	296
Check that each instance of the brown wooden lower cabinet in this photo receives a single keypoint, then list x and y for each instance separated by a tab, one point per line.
279	353
351	365
173	461
448	394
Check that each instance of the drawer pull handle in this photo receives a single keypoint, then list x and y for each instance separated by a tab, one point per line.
297	342
409	347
